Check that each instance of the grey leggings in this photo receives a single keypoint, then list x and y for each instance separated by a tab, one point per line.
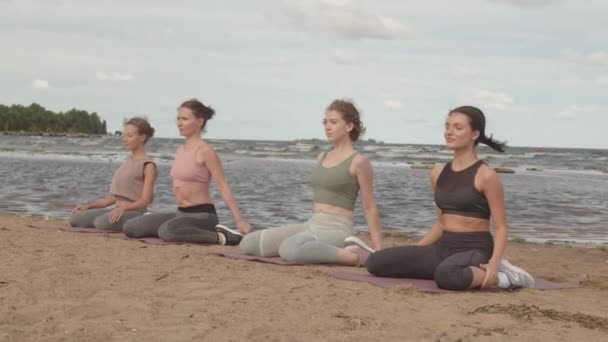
175	227
316	241
99	218
447	261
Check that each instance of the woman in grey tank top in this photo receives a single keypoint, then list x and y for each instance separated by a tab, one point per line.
336	181
132	187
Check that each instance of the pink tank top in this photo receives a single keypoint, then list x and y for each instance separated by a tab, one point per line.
186	172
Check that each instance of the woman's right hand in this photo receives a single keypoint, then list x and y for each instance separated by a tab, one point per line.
80	208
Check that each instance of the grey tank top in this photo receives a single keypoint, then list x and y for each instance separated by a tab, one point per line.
456	194
335	185
128	180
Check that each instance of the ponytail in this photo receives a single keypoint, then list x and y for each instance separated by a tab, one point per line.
494	144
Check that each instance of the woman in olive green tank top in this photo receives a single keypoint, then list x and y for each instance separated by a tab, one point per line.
336	181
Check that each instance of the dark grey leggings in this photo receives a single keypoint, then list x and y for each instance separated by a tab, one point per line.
447	261
180	226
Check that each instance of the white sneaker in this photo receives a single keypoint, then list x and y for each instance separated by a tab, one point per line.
517	276
352	240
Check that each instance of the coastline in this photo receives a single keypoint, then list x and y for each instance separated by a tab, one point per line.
67	286
53	134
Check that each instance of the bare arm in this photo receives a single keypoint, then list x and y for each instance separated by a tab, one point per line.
147	194
99	203
493	190
436	231
214	164
365	177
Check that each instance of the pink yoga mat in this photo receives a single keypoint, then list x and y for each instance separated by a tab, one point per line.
71	229
430	286
241	256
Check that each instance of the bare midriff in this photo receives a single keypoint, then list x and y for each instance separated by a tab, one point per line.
195	194
330	209
463	224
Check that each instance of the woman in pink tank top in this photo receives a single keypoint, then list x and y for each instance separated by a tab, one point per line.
132	186
195	164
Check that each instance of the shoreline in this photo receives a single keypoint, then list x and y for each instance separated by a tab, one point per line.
54	134
68	286
404	233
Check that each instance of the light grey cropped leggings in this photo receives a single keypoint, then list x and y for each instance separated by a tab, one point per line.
316	241
175	227
100	218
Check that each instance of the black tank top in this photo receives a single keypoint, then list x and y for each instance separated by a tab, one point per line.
456	194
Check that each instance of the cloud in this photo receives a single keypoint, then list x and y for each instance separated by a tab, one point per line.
340	17
41	84
492	100
392	104
530	3
579	82
574	111
574	82
464	72
602	81
113	76
599	58
341	58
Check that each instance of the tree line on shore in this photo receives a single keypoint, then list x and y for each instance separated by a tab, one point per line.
37	119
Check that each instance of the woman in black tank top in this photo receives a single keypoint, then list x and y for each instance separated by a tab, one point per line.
459	252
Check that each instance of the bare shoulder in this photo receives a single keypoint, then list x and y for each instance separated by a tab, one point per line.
436	170
487	174
206	149
320	156
361	160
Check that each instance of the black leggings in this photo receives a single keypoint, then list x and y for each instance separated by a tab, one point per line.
447	261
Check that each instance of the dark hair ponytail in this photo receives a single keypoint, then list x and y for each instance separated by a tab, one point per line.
494	144
478	123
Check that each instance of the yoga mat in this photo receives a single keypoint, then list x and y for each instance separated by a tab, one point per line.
156	241
71	229
430	286
241	256
115	234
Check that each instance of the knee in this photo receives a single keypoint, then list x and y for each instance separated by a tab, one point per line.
130	229
374	264
166	233
73	220
102	222
293	250
453	277
250	244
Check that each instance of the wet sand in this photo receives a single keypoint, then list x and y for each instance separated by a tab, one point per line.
62	286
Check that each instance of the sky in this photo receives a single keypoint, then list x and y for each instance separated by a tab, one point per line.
537	68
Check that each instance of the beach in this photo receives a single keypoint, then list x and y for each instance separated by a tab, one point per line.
63	286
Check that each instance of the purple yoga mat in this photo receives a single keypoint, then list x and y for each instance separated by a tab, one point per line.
115	234
430	286
241	256
71	229
155	241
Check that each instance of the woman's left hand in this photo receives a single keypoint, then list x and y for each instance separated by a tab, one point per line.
244	227
491	277
116	214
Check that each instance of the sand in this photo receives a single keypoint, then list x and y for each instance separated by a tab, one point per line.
62	286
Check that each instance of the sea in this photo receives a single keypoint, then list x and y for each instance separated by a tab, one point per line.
554	195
